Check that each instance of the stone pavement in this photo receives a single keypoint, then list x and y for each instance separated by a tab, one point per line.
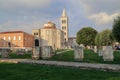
63	51
111	67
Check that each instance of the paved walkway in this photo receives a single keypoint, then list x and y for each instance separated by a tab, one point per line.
63	51
111	67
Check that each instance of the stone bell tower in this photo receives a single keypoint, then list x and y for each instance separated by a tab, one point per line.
64	26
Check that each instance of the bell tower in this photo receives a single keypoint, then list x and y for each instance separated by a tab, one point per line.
64	26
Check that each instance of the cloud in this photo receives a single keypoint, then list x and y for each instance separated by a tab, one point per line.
103	18
6	4
92	6
32	14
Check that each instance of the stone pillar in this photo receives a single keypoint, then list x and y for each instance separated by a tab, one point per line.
5	53
101	52
95	49
36	53
46	52
78	53
20	51
108	54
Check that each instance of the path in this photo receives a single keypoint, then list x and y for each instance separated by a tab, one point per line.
111	67
63	51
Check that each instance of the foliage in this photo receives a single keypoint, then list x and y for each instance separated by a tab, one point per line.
116	29
43	72
97	39
104	38
86	36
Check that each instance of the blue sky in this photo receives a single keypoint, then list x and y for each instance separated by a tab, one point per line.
26	15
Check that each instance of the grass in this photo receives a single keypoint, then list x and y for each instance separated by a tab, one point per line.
65	56
14	55
89	56
10	71
59	50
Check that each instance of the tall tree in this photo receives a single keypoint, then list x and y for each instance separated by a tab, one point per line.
104	38
116	29
86	36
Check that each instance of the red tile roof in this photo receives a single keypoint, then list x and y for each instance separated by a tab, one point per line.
12	32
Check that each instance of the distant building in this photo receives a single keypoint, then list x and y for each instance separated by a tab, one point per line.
16	40
64	26
71	42
49	35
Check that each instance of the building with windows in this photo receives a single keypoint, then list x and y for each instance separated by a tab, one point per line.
16	39
49	35
71	42
64	26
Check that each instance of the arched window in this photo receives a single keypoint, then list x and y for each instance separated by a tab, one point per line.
19	37
4	38
14	38
36	42
9	38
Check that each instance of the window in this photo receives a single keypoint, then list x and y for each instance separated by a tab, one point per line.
14	38
4	38
63	21
9	38
64	27
47	32
64	33
35	33
19	37
65	39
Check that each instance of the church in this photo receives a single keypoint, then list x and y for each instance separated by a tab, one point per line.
49	35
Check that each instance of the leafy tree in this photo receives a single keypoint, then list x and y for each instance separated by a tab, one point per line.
116	29
86	36
104	38
97	39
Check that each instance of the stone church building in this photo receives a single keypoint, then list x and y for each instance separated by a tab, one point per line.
49	35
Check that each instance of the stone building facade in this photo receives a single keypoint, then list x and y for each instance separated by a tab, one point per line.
16	40
49	35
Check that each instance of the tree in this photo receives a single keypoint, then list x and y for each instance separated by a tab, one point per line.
97	39
104	38
86	36
116	29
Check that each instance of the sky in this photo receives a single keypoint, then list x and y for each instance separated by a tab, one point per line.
26	15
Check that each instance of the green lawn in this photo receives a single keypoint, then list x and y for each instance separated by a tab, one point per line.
10	71
59	50
89	56
24	56
14	55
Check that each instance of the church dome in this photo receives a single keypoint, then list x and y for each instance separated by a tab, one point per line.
49	25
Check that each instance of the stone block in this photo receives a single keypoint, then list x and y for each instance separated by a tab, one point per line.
78	53
36	53
20	51
46	52
95	49
5	53
108	54
100	52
